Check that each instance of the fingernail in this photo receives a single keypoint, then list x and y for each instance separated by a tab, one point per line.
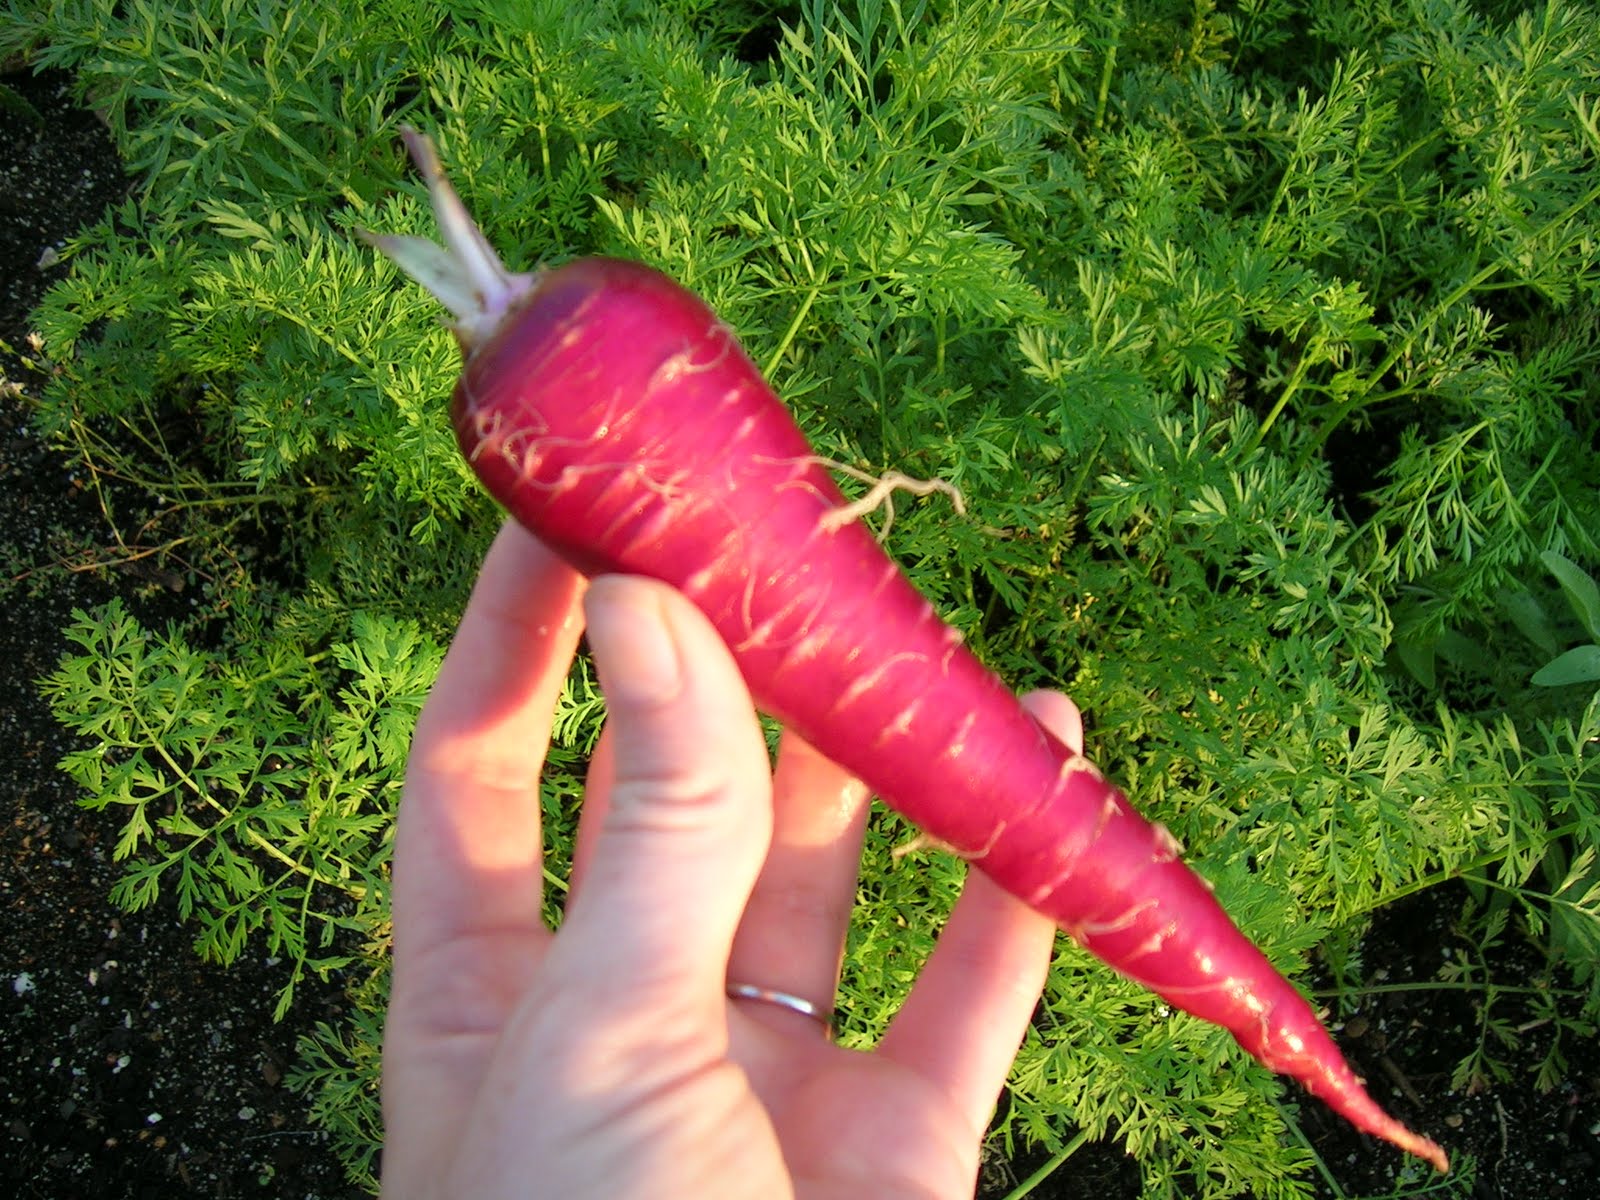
635	652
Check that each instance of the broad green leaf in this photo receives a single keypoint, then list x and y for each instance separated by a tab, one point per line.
1582	592
1528	615
1581	665
1418	658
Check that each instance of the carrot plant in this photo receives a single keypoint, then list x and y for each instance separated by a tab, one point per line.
1257	336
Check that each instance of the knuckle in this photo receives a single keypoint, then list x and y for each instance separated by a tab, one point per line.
670	798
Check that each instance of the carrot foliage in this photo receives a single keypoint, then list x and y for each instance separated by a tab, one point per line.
1260	339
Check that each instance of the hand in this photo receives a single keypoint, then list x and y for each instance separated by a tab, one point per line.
606	1059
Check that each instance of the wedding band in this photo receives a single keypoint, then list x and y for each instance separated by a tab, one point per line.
795	1004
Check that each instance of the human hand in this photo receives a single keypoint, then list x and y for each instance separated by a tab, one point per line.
607	1059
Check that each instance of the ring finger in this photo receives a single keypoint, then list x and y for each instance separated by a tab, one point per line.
792	936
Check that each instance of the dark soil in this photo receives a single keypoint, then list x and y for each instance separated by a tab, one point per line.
130	1068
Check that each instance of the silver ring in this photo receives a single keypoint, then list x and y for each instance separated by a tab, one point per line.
795	1004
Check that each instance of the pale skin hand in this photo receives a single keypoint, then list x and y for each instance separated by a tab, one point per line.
606	1060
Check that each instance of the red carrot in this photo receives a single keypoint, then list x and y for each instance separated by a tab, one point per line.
617	418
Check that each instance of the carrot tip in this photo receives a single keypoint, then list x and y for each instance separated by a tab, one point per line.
1430	1152
1414	1143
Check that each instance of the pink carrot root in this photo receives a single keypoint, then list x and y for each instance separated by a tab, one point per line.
615	416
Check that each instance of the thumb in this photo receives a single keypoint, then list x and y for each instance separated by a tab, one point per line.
687	814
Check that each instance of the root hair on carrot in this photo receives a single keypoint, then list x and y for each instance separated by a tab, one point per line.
921	842
881	495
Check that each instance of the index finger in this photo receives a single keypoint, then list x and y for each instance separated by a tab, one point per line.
468	844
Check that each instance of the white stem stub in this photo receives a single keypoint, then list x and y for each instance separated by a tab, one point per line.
465	274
